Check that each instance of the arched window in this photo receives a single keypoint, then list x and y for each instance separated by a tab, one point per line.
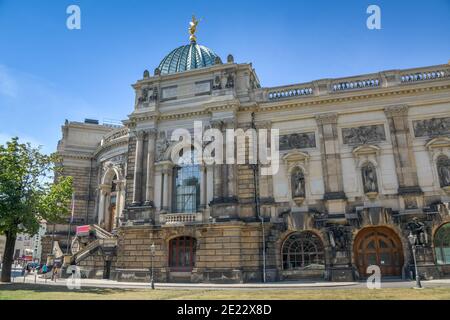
298	183
443	168
186	184
369	178
301	250
442	244
182	253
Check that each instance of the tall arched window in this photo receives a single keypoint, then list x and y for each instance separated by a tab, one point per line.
443	168
186	184
301	250
442	244
182	253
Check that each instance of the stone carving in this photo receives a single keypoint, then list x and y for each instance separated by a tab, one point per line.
146	74
217	83
338	237
298	183
418	229
432	127
217	60
369	177
230	81
162	145
154	96
443	167
410	202
363	135
230	58
297	141
144	95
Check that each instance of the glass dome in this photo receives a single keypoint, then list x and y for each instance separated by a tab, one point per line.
187	57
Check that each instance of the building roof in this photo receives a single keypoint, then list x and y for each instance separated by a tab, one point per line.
187	57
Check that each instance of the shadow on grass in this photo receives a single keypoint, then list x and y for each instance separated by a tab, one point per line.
42	288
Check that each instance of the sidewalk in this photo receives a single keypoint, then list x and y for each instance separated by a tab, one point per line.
99	283
30	279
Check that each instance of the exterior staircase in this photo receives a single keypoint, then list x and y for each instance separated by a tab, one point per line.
105	241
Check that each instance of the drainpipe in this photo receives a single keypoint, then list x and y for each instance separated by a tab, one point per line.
255	168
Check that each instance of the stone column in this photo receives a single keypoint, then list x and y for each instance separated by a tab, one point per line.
218	170
265	181
203	187
119	203
149	191
101	206
137	183
230	168
166	189
405	164
331	162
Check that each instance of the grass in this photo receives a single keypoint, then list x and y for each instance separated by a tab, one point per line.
42	292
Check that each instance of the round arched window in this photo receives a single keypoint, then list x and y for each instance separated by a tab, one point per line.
442	244
303	249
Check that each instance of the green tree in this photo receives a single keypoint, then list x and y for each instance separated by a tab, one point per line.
28	194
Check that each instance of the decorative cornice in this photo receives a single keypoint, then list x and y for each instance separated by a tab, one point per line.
360	95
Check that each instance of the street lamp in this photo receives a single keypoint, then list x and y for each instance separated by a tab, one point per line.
152	254
412	240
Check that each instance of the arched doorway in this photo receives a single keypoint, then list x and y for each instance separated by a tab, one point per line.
379	246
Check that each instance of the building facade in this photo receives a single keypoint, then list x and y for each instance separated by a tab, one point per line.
364	162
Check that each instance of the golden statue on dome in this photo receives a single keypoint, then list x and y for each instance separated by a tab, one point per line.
193	28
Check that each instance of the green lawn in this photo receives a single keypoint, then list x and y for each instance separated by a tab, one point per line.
41	292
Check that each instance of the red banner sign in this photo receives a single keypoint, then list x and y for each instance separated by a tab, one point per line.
83	230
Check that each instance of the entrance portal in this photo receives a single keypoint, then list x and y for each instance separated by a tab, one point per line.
378	246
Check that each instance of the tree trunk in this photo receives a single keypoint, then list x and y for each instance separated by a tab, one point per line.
8	257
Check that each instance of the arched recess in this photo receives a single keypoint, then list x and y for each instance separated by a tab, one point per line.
303	250
441	243
379	246
112	198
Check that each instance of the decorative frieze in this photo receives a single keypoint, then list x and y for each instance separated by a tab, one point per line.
363	135
431	127
298	141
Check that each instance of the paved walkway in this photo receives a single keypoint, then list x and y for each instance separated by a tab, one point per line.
30	279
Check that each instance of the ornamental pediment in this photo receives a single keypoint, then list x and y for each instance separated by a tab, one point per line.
366	149
439	142
295	156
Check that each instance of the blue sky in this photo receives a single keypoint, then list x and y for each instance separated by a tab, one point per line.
49	73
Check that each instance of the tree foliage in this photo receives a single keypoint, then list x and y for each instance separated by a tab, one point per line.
31	189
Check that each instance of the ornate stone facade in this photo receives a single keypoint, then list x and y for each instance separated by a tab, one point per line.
357	165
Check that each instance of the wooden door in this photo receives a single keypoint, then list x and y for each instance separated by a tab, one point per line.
378	246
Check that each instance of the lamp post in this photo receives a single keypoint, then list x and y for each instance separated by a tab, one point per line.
152	254
412	240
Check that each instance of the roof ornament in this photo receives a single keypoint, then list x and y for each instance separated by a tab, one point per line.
192	29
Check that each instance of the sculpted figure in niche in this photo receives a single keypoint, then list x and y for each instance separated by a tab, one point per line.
369	177
443	166
298	183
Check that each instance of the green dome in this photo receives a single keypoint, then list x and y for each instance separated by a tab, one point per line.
187	57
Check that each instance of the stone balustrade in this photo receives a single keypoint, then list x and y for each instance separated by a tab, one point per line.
356	84
289	92
424	75
115	134
181	218
372	81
